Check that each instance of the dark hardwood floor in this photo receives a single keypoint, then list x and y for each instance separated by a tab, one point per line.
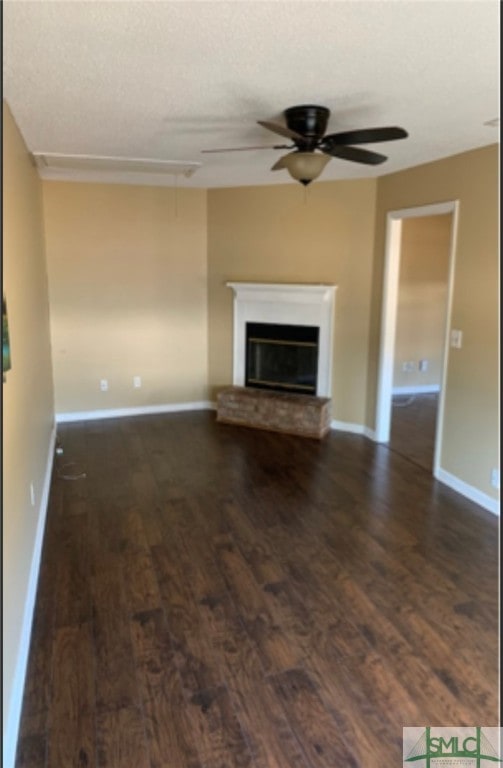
220	597
413	427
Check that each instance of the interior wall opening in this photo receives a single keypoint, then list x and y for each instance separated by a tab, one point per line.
417	298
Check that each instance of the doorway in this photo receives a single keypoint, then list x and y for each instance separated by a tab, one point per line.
411	383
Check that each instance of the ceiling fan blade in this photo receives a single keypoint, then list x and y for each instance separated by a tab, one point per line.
278	165
366	136
355	154
246	149
282	130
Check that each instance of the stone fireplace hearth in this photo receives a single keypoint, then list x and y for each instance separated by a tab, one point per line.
292	414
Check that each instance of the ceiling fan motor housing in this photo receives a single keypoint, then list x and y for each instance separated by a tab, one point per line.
306	126
309	120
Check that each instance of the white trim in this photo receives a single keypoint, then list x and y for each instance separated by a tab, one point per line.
113	177
289	304
419	389
439	426
469	491
347	426
388	328
114	413
16	701
355	429
418	212
111	170
472	493
370	433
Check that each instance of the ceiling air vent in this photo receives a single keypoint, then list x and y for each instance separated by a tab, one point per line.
108	169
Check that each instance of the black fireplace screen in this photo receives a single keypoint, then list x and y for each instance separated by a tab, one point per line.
282	357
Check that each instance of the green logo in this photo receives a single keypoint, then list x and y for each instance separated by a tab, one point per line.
452	747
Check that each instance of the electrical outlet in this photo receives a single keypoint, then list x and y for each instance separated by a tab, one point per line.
137	382
495	478
32	495
104	385
408	366
456	338
423	365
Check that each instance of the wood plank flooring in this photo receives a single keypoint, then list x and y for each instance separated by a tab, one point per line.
413	427
220	597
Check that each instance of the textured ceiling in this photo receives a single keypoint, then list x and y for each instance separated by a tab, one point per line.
164	80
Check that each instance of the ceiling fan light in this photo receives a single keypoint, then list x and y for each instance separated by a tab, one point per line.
305	166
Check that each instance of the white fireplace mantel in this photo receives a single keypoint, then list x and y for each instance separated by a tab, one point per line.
285	304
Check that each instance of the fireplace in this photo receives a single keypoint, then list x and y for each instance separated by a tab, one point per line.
273	308
282	357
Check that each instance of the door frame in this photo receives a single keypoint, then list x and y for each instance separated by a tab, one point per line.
389	313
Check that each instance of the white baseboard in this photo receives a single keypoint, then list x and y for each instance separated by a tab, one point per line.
356	429
16	702
469	491
115	413
419	389
472	493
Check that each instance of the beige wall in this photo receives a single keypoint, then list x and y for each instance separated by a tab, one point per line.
422	299
137	283
336	233
471	424
28	411
127	284
286	234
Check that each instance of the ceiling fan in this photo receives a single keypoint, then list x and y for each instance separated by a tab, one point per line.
312	148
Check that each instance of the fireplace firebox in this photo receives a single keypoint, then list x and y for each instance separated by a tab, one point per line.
282	357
